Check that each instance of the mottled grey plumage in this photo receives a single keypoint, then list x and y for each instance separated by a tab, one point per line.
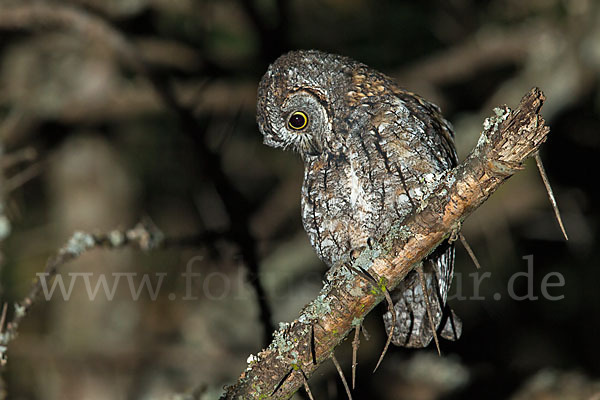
371	152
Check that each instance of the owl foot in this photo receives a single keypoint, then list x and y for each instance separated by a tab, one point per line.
356	251
390	304
455	233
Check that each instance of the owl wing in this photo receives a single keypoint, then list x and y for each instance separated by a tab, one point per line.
435	153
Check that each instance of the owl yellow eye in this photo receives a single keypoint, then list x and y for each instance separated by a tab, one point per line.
298	120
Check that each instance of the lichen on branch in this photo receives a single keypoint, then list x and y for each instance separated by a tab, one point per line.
298	348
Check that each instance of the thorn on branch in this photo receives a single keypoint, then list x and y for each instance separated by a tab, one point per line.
467	247
365	333
540	165
390	305
355	346
342	377
306	387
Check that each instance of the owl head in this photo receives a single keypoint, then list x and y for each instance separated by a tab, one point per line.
295	97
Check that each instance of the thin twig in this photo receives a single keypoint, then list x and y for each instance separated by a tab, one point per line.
365	333
342	377
21	178
306	387
355	345
390	305
145	235
538	161
465	244
9	160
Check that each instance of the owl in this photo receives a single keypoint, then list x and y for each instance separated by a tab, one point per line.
370	150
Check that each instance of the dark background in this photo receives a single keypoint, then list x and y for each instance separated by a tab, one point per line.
118	110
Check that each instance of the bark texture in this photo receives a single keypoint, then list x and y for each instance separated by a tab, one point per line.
298	348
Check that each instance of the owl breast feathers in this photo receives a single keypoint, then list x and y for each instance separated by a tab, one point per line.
371	152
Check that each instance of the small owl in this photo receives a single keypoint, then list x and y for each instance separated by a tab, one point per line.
371	150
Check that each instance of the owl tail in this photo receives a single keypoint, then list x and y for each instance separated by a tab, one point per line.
452	327
415	331
413	323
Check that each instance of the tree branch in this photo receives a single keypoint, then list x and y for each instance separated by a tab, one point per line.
508	138
41	15
145	235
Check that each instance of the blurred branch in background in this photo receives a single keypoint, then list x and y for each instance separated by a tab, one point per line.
118	109
144	235
10	183
46	16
